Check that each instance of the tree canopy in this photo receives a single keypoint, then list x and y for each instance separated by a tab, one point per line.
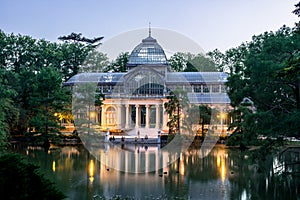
187	62
266	71
32	72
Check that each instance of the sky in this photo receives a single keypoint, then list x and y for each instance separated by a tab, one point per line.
221	24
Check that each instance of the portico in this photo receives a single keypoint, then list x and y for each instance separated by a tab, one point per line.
133	114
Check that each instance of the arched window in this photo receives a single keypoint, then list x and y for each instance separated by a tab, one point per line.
145	83
110	116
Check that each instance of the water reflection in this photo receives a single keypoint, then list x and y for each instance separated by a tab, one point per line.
91	168
223	174
53	166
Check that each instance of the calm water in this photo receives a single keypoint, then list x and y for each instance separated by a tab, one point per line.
222	174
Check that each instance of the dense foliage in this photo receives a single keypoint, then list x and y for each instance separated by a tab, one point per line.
264	85
187	62
22	180
32	73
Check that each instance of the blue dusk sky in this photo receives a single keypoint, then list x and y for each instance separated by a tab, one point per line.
212	24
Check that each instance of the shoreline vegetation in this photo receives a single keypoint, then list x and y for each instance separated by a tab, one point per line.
73	139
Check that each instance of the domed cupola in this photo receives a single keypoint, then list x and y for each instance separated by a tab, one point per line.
149	52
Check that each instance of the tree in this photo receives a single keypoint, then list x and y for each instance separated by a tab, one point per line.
75	50
200	63
178	62
205	116
187	62
22	180
95	62
297	9
86	100
72	56
275	93
47	99
78	38
8	113
23	59
177	100
266	71
120	64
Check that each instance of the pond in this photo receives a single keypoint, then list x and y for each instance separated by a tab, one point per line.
223	174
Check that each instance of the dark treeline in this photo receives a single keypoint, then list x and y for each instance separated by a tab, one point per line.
32	72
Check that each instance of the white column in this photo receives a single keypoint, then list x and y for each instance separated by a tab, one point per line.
103	118
137	119
157	116
119	119
147	116
127	120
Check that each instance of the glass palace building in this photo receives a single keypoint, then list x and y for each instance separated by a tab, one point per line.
135	99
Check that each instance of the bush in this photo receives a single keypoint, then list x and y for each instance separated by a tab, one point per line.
22	180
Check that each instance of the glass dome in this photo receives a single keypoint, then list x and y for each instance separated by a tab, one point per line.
149	52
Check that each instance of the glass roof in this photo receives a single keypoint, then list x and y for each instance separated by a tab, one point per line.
196	77
172	77
215	98
147	52
96	77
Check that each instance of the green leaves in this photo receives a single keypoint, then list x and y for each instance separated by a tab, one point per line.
32	72
267	71
188	62
48	98
177	100
118	65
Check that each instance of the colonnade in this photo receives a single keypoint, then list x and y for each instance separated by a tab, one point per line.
119	116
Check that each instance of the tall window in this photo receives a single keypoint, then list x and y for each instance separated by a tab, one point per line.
223	88
197	88
215	88
206	89
110	116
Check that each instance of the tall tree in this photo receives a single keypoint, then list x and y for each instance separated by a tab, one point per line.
95	62
86	102
266	71
177	100
8	112
47	99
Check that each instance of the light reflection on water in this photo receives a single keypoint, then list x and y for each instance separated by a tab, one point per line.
223	174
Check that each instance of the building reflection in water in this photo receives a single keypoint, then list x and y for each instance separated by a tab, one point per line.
91	171
222	174
53	166
76	165
133	158
141	158
221	163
